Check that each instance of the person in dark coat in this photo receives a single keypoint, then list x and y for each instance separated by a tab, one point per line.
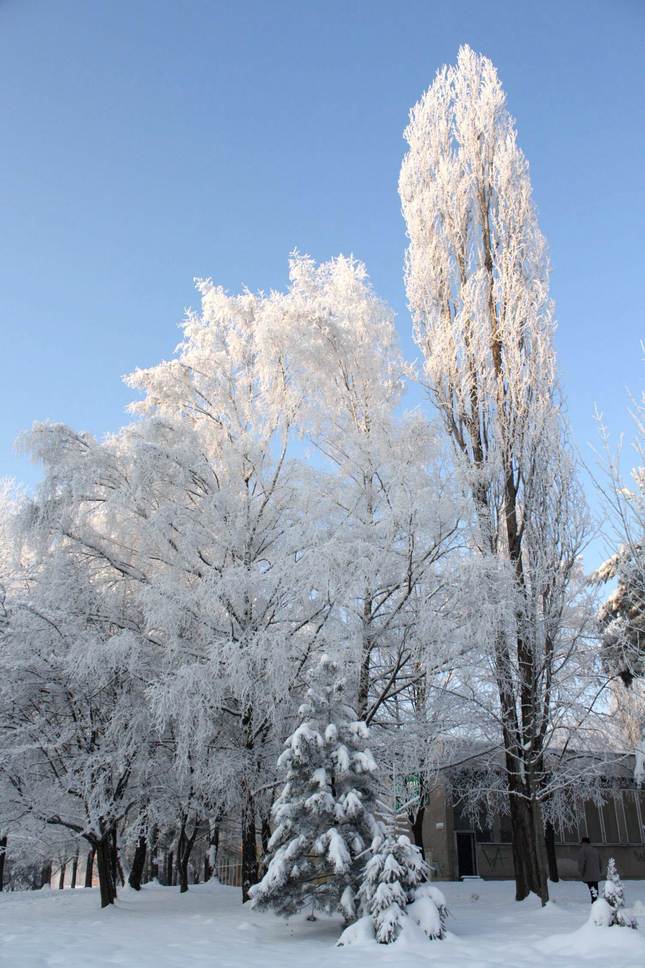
589	866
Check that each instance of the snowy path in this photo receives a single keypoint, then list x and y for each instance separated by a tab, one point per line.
208	927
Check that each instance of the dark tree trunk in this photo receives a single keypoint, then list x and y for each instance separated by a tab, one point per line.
74	871
106	868
169	868
527	829
528	849
265	837
138	862
549	841
154	854
61	877
416	823
3	857
46	875
184	849
115	860
265	834
249	848
89	867
362	698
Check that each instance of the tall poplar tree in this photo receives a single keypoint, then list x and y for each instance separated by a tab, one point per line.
478	288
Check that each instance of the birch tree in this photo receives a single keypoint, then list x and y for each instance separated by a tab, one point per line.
390	509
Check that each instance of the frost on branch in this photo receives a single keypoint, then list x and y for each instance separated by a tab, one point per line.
323	818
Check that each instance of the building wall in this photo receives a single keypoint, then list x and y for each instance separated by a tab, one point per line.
438	836
613	830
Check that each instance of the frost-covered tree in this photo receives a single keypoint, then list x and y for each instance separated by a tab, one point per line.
212	528
393	872
608	910
74	727
323	818
391	513
395	896
622	617
477	285
614	895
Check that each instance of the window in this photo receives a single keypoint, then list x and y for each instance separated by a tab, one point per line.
592	816
631	817
483	832
610	821
505	829
462	820
570	832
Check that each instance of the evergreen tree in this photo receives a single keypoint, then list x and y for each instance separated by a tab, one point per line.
614	895
392	874
323	819
395	895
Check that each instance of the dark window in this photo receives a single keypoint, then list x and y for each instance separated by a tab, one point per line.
620	814
641	798
505	829
610	821
631	817
466	855
462	820
483	832
594	830
570	832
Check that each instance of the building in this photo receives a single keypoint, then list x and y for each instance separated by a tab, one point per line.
457	847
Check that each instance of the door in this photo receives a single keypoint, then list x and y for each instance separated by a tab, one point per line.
466	861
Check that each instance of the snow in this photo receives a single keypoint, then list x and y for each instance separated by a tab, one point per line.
159	928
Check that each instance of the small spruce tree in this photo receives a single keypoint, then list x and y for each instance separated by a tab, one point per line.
395	895
614	895
392	874
323	819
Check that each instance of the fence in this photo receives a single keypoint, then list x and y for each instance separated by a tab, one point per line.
229	874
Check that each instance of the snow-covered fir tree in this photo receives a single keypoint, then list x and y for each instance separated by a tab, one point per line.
392	873
614	895
394	889
324	817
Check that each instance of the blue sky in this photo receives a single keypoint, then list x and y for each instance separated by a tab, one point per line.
146	142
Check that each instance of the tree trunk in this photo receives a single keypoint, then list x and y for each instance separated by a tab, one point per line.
182	861
74	870
362	698
169	868
527	829
138	862
61	877
115	860
89	867
46	875
528	841
549	842
184	849
416	823
106	868
154	854
3	857
265	837
249	848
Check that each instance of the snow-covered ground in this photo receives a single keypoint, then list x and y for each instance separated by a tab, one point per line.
158	928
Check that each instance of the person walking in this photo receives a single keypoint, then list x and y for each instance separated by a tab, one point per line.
589	866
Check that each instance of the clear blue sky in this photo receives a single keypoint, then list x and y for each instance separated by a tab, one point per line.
145	142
